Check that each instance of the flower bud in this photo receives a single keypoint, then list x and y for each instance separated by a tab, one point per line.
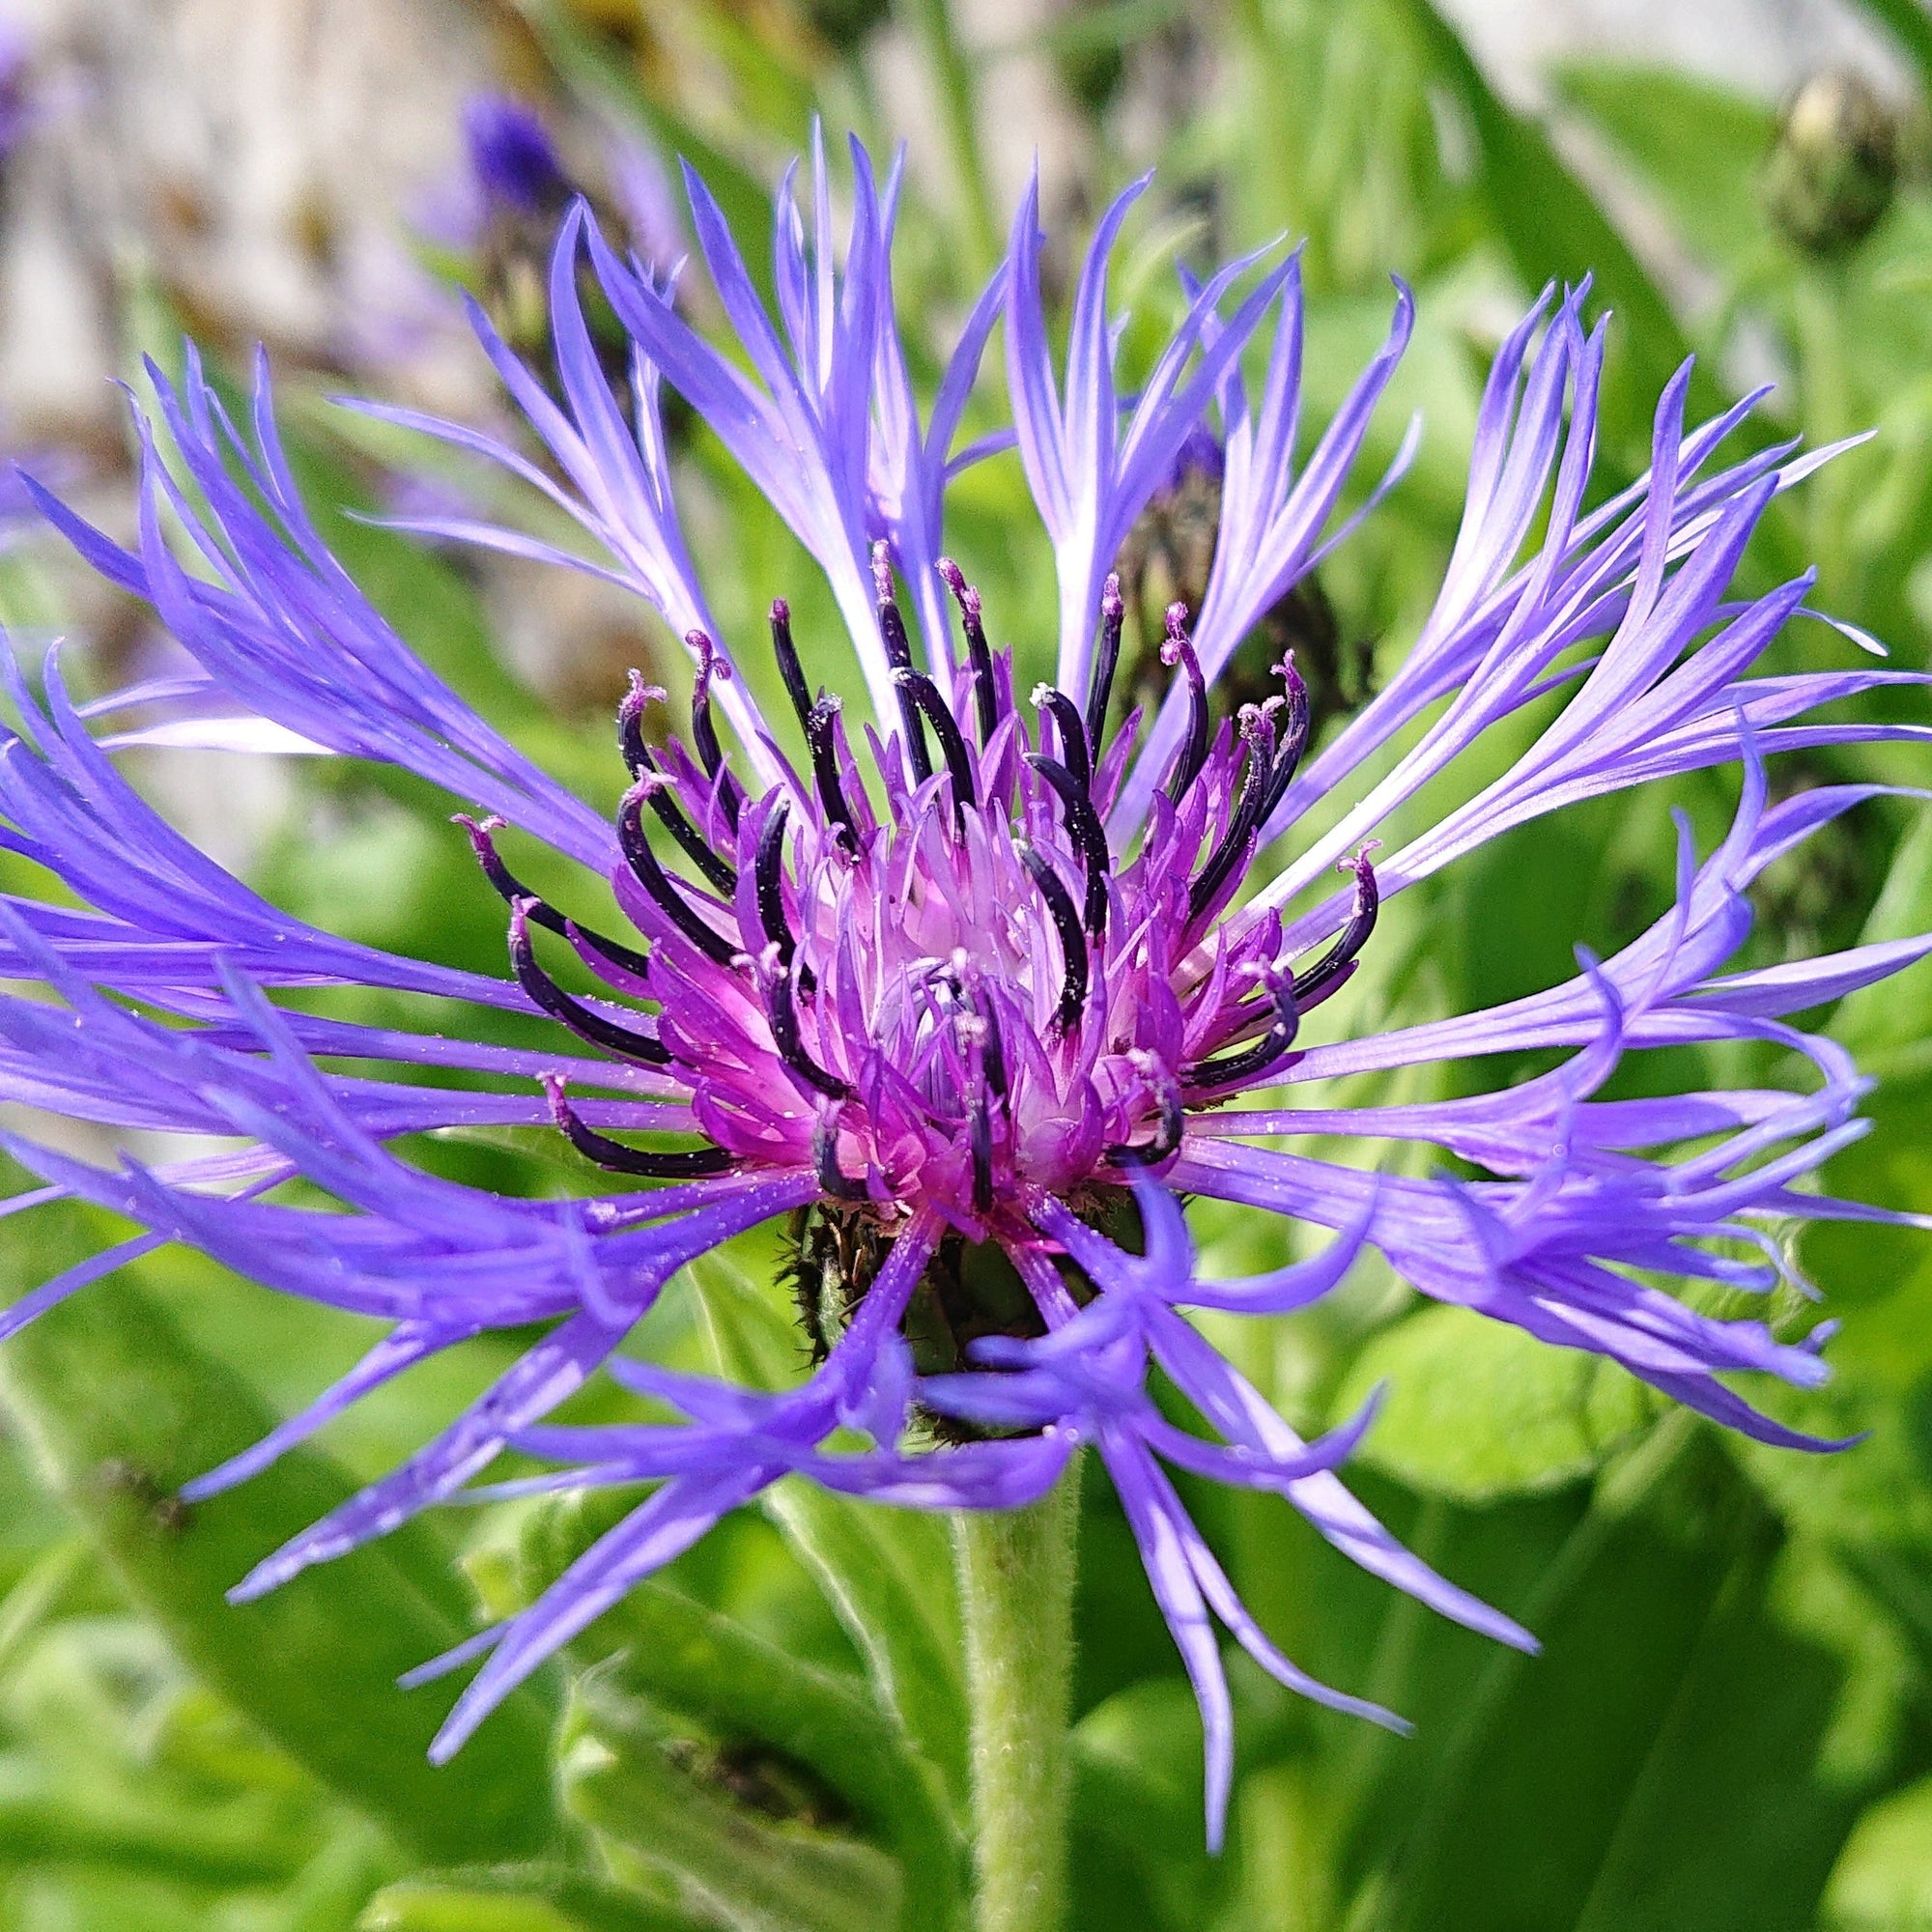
1834	164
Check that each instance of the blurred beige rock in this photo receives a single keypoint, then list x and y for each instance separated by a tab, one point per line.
257	159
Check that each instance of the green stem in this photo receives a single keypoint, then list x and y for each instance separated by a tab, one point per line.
1016	1597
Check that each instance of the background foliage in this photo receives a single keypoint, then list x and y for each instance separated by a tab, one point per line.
1731	1724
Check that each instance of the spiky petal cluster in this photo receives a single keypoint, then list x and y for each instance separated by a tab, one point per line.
971	978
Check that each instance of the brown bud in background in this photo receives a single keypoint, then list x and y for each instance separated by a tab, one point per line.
1833	169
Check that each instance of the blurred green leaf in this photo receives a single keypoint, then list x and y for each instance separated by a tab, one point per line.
687	1658
1655	1768
1694	143
887	1573
121	1410
510	1899
659	1825
1476	1410
1553	230
1140	1850
1883	1882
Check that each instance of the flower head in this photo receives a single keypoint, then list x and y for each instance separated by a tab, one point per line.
971	991
512	155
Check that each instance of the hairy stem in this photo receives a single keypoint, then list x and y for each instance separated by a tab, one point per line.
1016	1597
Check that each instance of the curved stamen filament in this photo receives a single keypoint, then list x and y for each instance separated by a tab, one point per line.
1072	734
656	881
686	1164
1101	685
539	911
790	672
824	742
986	693
545	993
1246	1067
1328	973
641	764
1073	938
1089	836
1179	649
704	731
898	654
927	701
781	1014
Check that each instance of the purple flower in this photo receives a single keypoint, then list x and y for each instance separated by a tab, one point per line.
977	986
17	113
515	172
512	155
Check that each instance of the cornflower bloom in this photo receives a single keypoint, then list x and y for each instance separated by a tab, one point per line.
971	994
516	185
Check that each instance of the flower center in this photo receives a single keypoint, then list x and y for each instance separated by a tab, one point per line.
934	981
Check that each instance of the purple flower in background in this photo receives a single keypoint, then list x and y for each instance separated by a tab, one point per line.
512	155
971	992
514	174
16	102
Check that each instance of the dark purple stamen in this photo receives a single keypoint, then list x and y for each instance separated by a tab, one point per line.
927	701
638	761
1101	685
545	993
1179	649
1291	742
823	740
1089	836
898	654
704	731
833	1179
986	693
980	1139
1244	1068
690	1164
1170	1123
1257	781
993	1052
768	878
1072	734
1072	940
539	911
782	1015
1335	966
636	755
655	880
790	672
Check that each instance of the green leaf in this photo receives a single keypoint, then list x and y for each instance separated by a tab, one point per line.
64	1820
1140	1855
1912	26
121	1410
1475	1410
1883	1024
660	1826
518	1900
1553	230
741	1688
1883	1878
887	1573
1655	1768
1696	145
